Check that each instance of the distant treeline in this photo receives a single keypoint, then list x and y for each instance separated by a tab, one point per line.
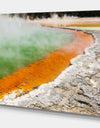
60	14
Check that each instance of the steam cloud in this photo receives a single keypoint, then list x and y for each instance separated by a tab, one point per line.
22	43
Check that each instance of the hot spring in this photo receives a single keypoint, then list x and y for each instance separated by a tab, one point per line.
22	43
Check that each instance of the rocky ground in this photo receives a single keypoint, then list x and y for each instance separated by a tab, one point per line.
76	89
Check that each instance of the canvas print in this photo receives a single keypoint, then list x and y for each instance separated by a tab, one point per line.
51	61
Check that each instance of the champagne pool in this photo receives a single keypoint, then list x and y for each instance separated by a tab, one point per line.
31	55
22	43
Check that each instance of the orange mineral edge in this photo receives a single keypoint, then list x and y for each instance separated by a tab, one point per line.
47	69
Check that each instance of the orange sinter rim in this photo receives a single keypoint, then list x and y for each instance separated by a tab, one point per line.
47	69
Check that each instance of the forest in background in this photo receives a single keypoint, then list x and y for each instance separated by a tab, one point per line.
60	14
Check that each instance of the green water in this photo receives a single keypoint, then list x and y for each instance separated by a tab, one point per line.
22	43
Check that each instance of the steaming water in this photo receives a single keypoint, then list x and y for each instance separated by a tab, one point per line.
22	43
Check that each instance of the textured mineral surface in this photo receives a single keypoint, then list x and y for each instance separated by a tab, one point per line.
76	89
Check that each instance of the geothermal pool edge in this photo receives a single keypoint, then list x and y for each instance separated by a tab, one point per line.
65	92
56	59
